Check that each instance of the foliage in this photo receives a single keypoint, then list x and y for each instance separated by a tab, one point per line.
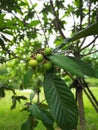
61	101
8	115
26	29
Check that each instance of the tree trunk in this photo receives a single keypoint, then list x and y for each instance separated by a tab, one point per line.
81	108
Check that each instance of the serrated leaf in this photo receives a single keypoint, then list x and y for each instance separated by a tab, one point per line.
61	102
67	64
39	114
47	119
85	67
88	31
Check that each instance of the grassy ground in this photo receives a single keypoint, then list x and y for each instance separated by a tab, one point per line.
12	119
91	114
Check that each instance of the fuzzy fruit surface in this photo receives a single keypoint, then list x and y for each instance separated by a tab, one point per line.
48	51
48	65
33	63
39	57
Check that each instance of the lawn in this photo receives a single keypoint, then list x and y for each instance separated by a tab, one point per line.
12	119
91	114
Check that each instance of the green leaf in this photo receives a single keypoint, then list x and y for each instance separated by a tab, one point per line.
1	20
49	127
61	102
32	96
47	119
67	64
2	92
8	32
26	125
33	23
85	67
30	124
39	114
27	77
89	30
2	44
35	111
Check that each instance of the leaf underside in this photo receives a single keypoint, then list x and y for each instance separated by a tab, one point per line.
61	102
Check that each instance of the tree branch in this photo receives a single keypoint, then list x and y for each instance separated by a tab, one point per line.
89	53
46	39
90	43
81	13
57	24
89	8
82	42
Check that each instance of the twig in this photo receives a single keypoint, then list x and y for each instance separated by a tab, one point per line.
95	7
89	43
89	53
81	13
81	18
74	23
82	42
46	39
89	8
92	46
57	24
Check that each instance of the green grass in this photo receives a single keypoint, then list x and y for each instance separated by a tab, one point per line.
91	114
12	119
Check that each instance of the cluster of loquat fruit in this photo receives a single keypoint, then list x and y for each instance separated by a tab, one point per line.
40	60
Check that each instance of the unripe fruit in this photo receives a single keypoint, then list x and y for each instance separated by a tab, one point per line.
33	63
48	51
39	57
48	65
